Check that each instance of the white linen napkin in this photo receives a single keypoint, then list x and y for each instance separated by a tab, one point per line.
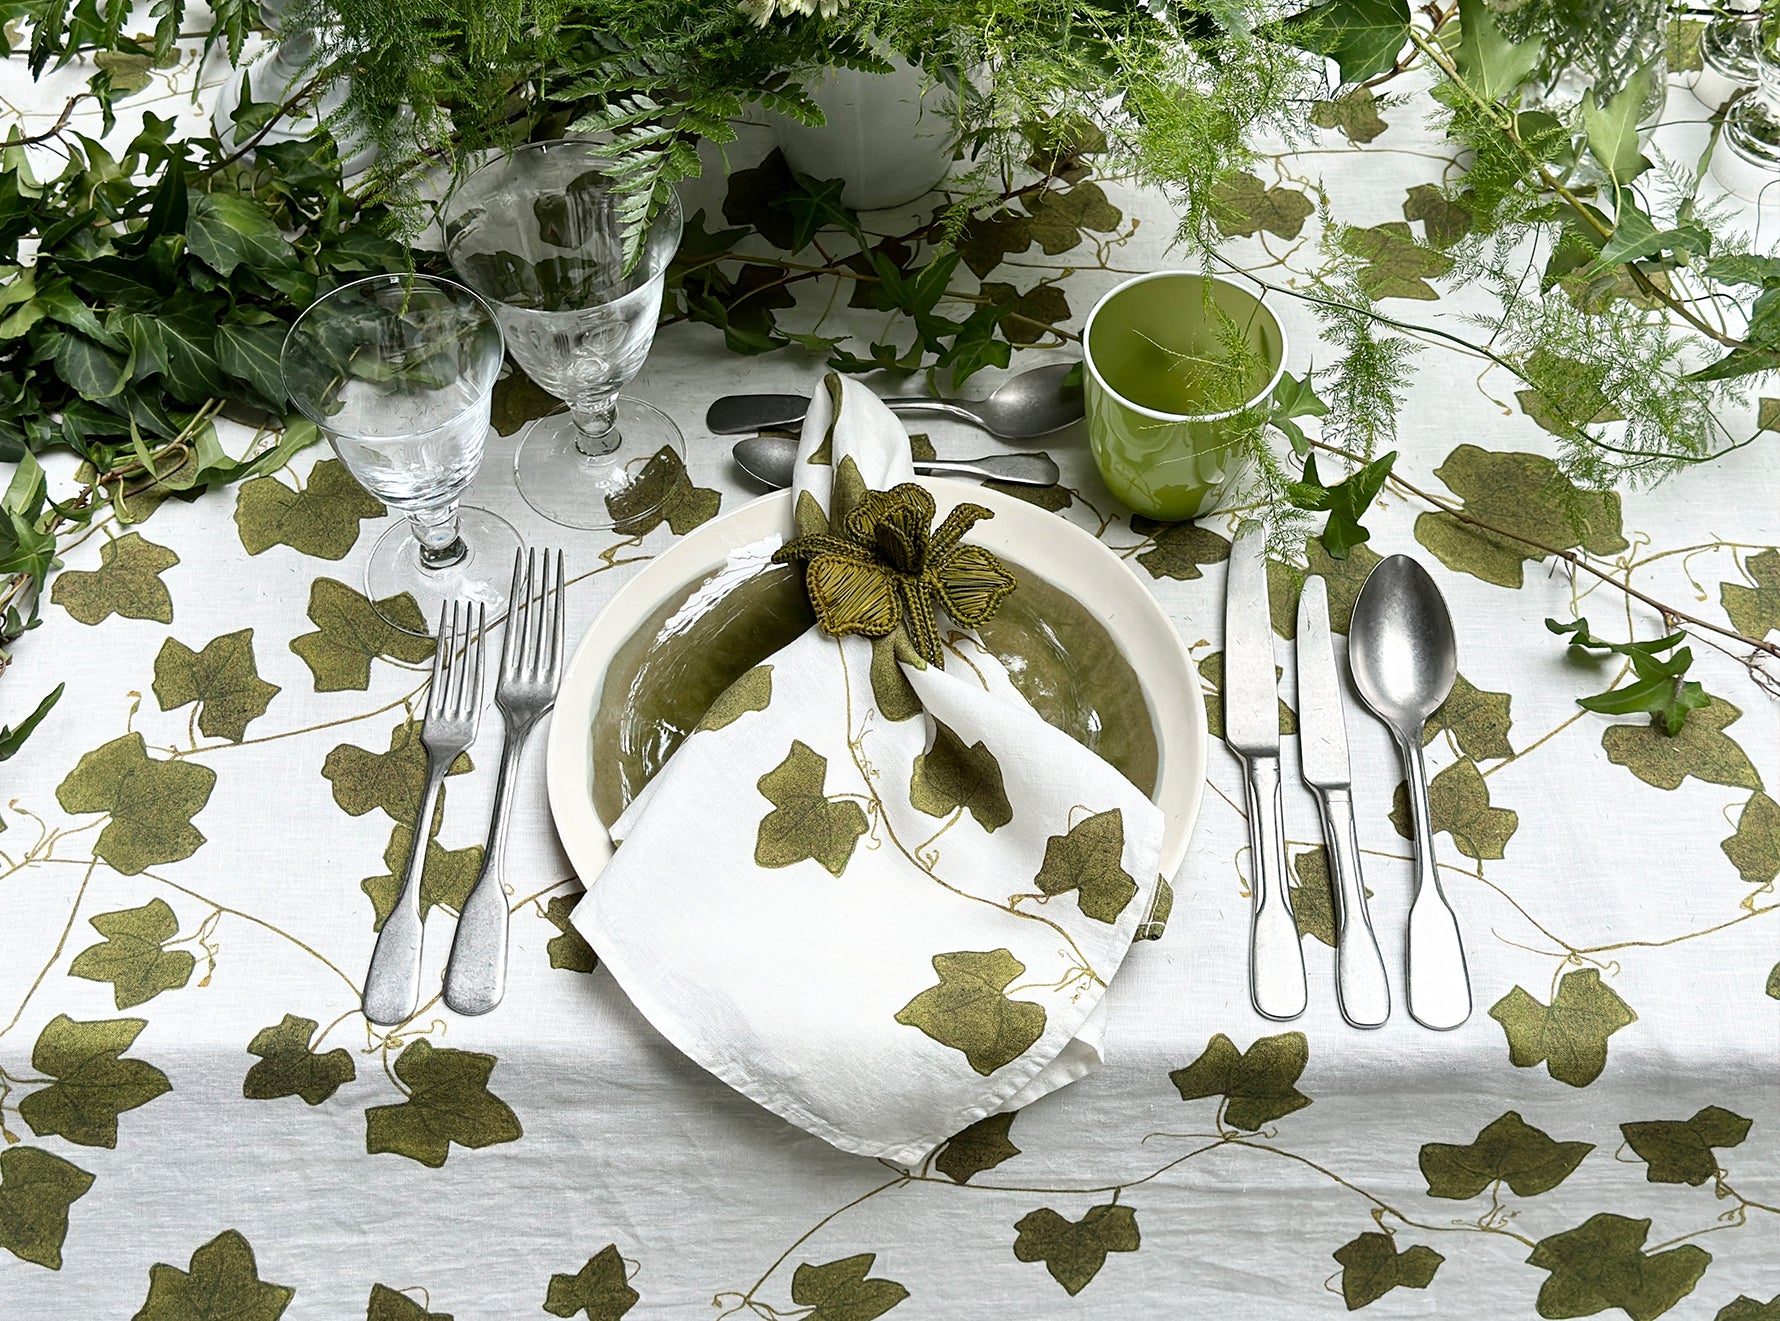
882	927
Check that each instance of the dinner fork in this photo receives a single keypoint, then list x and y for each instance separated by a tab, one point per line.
531	664
453	708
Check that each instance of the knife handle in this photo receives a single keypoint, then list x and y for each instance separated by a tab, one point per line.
1276	959
1361	988
736	414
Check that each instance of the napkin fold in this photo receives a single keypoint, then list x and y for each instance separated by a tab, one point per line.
881	898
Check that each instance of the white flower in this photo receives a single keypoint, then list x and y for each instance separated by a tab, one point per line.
759	12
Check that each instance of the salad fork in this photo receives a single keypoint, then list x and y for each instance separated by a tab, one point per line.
453	709
531	666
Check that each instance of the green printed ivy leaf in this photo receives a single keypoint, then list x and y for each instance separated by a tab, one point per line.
133	956
151	803
1745	1308
1702	749
1346	502
1566	395
1242	206
221	1283
1371	1267
803	823
1179	549
1445	219
92	1086
1354	112
1569	1036
1525	495
1059	217
570	950
1680	1150
321	519
841	1291
394	780
987	240
1395	265
1343	578
1052	499
950	776
1507	1150
388	1305
1459	803
752	692
1155	922
127	583
1773	986
1755	610
1313	895
890	687
222	679
969	1010
599	1291
1211	676
446	877
1601	1264
290	1066
1089	861
1074	1251
519	400
982	1146
662	493
1755	848
1259	1085
1477	719
1026	318
448	1101
36	1190
350	634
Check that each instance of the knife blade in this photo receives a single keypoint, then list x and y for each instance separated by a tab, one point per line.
1361	988
736	414
1251	728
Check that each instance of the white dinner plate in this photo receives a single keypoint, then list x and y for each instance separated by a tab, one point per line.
1038	541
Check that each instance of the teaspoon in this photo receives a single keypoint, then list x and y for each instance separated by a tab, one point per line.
769	460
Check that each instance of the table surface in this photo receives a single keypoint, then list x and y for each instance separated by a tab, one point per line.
188	895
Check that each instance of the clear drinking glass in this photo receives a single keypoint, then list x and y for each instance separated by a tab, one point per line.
538	232
399	371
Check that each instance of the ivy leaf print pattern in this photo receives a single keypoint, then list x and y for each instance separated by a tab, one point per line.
982	1146
151	803
133	956
1507	1150
1371	1267
950	776
127	583
969	1010
1601	1264
598	1291
221	1283
1259	1085
36	1191
92	1085
1074	1251
1569	1036
804	823
1087	860
844	1291
289	1065
222	679
1680	1150
321	519
448	1101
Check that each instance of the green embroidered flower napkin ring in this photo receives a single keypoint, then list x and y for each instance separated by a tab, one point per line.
887	567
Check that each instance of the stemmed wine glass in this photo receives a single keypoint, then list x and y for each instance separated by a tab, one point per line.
539	232
398	371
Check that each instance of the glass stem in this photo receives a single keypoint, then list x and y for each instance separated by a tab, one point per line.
436	531
596	425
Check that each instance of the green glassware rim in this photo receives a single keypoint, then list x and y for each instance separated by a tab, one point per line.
1260	396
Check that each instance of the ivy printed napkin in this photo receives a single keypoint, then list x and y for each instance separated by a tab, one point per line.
874	891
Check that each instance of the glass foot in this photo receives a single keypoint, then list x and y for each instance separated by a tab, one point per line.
485	573
622	489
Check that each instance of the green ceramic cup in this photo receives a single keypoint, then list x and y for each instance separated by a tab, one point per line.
1163	444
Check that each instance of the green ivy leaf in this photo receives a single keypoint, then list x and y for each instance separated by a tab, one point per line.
1180	548
1295	397
1025	318
1371	1267
969	1010
1488	61
1657	686
1680	1150
752	692
350	634
1242	206
662	493
1089	861
1396	266
1074	1251
1459	803
92	1086
1507	1150
982	1146
1347	502
1059	217
289	1066
394	781
151	803
1054	499
321	519
1612	128
446	878
222	679
1755	848
1702	749
950	776
1259	1085
519	400
1445	218
1755	610
598	1291
804	824
1601	1264
133	956
841	1291
386	1304
1525	495
1313	895
1343	578
1477	719
1354	112
126	583
1745	1308
987	240
1569	1036
448	1101
568	951
36	1190
228	229
222	1283
1773	986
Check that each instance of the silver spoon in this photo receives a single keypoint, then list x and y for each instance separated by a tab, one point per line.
1401	649
1034	403
769	460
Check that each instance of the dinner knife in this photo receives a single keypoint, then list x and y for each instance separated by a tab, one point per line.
1361	988
1251	728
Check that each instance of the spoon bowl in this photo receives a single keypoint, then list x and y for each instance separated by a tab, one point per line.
1033	403
1401	645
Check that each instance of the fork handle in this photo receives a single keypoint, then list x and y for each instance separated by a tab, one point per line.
476	976
392	985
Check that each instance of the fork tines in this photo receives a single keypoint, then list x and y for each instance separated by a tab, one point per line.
457	661
536	609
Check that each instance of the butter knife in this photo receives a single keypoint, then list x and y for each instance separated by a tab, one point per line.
1251	728
1360	985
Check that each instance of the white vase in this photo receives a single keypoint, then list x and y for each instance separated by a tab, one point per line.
889	137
